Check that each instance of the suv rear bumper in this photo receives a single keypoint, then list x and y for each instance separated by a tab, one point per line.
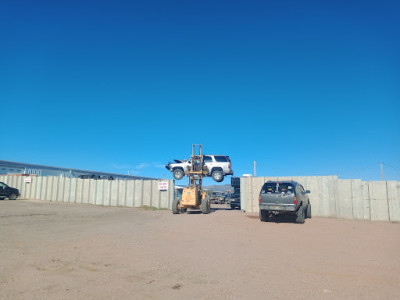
278	207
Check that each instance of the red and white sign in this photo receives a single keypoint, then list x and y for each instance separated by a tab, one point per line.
163	186
28	179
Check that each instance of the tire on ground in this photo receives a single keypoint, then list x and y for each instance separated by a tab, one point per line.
300	215
263	215
175	208
217	175
205	205
178	173
12	196
309	211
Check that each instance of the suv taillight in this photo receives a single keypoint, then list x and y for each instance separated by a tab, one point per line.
229	165
259	199
295	200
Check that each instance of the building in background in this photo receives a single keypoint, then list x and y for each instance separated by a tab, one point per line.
17	168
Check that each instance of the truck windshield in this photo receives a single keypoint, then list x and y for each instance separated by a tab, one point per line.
277	187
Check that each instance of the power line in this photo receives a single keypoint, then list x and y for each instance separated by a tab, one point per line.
395	168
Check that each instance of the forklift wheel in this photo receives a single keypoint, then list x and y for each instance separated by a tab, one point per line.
205	205
175	208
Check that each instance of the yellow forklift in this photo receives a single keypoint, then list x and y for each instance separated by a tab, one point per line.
193	195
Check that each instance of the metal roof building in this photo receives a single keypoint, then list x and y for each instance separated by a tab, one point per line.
12	168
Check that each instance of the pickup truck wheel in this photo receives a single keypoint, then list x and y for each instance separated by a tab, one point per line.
12	196
263	216
175	206
300	215
309	211
217	175
178	174
205	205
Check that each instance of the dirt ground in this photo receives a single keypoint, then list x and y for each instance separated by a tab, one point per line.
55	250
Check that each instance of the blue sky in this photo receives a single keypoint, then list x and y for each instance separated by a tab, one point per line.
301	87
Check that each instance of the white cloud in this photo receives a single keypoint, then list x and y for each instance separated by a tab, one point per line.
142	166
121	167
138	169
146	165
157	165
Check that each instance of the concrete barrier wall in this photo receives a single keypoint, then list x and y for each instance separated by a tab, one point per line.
129	193
333	197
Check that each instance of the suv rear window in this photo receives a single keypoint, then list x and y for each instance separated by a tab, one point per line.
220	158
277	188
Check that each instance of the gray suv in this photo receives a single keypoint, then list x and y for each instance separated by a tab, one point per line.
284	198
217	167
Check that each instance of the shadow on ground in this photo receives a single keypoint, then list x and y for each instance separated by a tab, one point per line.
282	219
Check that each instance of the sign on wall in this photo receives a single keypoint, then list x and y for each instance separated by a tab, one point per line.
28	179
163	186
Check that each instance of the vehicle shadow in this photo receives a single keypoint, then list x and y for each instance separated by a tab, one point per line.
220	208
193	212
212	209
282	219
275	219
198	212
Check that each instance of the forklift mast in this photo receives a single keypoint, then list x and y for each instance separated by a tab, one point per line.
197	169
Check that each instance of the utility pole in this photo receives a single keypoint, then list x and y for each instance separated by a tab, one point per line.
255	167
382	170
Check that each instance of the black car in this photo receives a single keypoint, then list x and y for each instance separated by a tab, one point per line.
235	199
8	192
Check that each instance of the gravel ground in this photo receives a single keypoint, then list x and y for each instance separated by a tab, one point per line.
55	250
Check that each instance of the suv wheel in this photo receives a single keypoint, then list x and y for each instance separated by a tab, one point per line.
217	175
309	211
178	174
263	216
300	215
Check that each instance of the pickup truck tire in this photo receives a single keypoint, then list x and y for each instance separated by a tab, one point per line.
263	216
175	208
178	174
308	211
205	205
300	215
217	175
12	196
